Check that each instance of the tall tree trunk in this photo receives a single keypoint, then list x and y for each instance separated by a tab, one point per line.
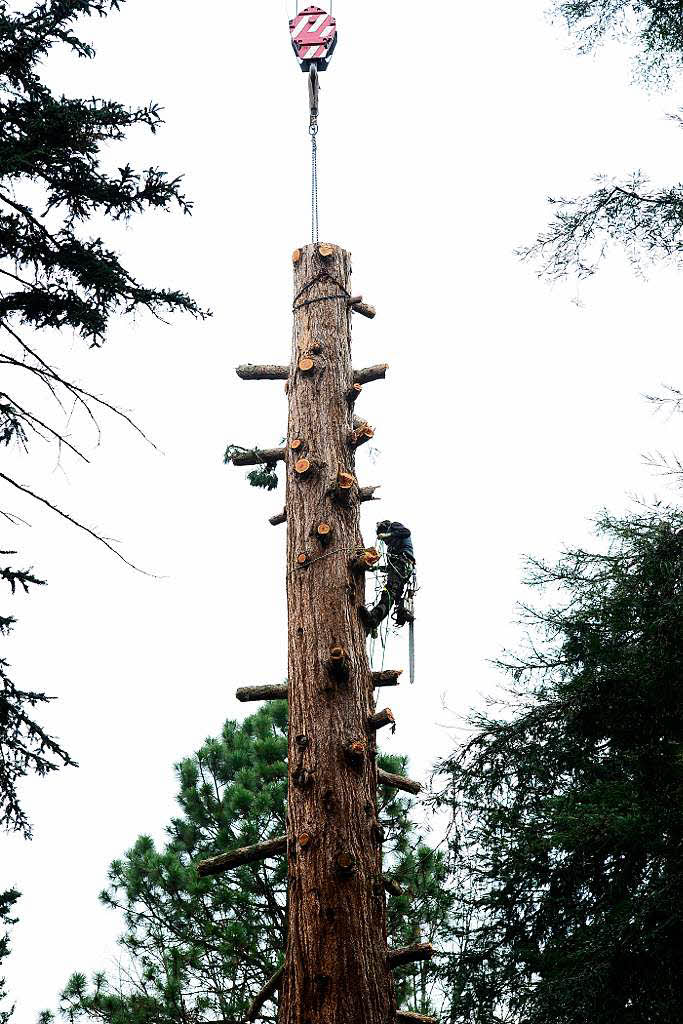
336	968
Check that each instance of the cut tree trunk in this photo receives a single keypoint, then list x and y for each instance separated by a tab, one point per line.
364	494
245	694
245	855
389	677
398	782
370	373
410	954
364	308
382	718
336	969
259	456
404	1017
266	994
251	372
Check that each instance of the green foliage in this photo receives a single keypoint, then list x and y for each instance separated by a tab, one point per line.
61	277
55	176
645	220
567	804
655	27
7	902
264	476
24	746
197	949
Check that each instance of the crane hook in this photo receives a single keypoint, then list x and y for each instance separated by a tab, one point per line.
314	94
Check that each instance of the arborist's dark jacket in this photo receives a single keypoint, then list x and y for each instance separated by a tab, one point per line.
399	540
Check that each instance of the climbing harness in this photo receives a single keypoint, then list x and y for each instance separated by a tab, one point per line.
403	610
314	38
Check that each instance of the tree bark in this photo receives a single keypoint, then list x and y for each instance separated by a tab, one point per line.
403	1017
370	373
265	995
245	694
390	677
249	694
364	494
364	308
259	456
398	782
245	855
392	887
361	435
382	718
336	969
251	372
410	954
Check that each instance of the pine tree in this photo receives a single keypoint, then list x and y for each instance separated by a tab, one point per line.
56	273
644	219
7	902
24	746
201	949
653	27
567	804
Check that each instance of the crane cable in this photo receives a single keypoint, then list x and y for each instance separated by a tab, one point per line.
331	7
313	91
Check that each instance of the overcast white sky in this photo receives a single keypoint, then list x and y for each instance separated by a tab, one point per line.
510	415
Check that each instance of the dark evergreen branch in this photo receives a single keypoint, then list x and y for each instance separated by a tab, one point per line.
32	419
74	522
647	223
653	27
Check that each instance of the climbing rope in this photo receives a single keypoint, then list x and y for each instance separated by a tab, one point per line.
324	275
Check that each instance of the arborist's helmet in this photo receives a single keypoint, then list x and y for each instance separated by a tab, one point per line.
384	528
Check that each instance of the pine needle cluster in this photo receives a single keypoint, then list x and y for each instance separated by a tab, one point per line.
567	801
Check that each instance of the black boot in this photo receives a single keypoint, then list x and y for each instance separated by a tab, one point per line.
372	618
368	619
403	614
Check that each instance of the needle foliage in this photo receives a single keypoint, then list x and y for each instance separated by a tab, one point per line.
7	902
654	28
25	748
58	278
627	211
201	949
567	803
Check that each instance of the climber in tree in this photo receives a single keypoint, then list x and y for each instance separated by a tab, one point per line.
400	569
